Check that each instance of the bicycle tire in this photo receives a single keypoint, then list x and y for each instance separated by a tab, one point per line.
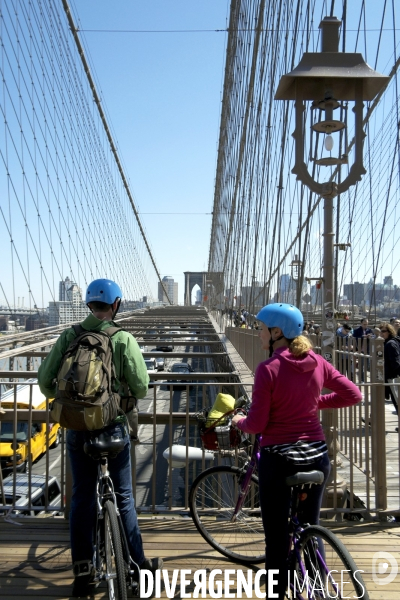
212	499
113	562
338	578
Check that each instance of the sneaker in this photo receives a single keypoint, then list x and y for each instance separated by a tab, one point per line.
83	587
152	564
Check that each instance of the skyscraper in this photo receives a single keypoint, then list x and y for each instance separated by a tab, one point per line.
171	287
70	306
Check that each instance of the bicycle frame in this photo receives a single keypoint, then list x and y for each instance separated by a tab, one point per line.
249	467
295	527
105	491
294	552
104	487
311	548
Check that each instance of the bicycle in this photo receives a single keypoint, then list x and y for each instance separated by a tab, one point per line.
224	505
112	561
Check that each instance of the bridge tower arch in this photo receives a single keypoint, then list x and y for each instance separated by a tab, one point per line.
191	279
211	284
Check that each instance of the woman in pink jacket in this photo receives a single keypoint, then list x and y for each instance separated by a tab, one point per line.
284	410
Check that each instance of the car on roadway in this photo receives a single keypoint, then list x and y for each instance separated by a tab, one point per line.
151	365
152	368
180	367
25	444
22	495
160	362
151	333
165	346
190	338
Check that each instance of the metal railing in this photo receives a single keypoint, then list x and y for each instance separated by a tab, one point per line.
362	469
358	455
156	487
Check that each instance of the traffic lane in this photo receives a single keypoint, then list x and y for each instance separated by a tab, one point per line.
152	436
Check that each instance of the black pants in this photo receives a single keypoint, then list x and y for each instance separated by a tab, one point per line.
275	504
389	394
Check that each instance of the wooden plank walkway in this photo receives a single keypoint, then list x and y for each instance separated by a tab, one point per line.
35	558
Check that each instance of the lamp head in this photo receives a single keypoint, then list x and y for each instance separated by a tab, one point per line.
330	69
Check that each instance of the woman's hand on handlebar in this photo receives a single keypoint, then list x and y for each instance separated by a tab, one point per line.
238	417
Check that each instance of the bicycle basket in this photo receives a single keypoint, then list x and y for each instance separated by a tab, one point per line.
220	435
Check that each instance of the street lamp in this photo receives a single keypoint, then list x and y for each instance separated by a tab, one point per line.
328	78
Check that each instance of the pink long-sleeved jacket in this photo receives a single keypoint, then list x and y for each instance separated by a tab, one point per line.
287	397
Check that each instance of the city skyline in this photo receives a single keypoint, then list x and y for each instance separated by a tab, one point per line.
363	288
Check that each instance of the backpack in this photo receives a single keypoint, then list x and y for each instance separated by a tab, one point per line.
85	399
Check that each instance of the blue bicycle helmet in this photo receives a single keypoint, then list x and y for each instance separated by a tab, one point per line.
285	316
103	290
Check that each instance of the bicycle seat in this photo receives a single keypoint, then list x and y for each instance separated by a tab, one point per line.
304	478
104	444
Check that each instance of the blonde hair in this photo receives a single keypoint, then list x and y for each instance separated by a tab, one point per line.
300	345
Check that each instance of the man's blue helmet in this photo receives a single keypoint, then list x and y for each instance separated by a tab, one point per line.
285	316
103	290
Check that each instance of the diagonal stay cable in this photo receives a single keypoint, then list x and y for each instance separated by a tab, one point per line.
96	98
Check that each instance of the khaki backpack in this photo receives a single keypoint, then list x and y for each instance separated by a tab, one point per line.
85	398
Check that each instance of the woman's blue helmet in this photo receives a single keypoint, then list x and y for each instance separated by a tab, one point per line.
285	316
103	290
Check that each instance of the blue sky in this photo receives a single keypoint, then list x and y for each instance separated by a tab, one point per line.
162	94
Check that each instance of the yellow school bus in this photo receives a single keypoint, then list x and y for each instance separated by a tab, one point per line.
16	446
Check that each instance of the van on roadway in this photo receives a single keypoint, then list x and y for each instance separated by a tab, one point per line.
17	446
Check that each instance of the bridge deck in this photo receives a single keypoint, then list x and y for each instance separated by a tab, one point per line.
35	558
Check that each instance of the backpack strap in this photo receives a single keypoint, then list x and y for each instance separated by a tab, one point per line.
112	330
78	329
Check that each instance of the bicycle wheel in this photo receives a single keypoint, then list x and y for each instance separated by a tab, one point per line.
334	575
212	500
113	565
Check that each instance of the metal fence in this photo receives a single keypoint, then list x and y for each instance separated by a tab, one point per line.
157	485
364	446
364	454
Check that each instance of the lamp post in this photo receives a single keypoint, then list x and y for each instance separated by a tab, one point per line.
327	78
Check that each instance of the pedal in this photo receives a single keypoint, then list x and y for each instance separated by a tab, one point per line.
135	589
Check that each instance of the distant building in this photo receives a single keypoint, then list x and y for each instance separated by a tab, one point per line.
356	292
70	307
61	313
36	322
127	305
171	288
63	286
252	296
388	280
4	323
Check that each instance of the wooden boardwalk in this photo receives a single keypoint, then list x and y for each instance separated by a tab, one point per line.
35	558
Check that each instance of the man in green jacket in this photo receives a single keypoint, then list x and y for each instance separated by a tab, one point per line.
103	297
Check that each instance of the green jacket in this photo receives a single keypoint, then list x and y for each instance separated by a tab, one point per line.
128	359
